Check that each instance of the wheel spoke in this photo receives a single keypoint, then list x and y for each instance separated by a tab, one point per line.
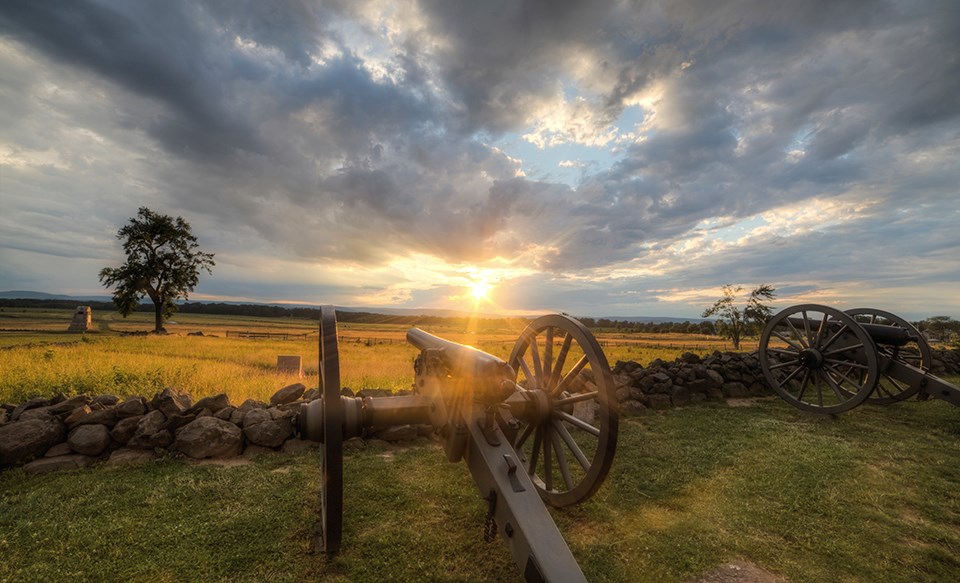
547	463
840	350
537	369
844	376
833	338
577	398
561	358
524	435
568	378
791	375
535	451
822	328
833	385
571	444
806	328
561	460
548	359
846	363
526	371
795	333
803	383
781	365
578	423
788	341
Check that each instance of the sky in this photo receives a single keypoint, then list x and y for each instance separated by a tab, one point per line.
598	158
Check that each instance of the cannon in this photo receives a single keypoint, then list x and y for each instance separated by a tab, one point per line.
824	360
537	430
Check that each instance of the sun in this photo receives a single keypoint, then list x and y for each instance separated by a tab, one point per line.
480	290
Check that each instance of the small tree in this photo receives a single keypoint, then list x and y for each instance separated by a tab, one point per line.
163	262
735	322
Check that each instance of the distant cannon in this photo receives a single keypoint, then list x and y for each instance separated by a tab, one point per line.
822	360
541	428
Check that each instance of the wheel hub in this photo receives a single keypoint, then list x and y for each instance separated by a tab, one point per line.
810	358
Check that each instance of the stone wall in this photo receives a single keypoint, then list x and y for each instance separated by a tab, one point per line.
61	433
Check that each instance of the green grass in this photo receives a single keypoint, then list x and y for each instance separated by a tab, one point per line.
868	496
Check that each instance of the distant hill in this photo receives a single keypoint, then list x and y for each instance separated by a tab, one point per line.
221	307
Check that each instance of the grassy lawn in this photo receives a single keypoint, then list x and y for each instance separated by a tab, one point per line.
869	496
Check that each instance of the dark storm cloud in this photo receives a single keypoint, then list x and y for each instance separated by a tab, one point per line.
359	131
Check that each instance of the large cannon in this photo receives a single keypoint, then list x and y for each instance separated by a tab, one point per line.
539	429
823	360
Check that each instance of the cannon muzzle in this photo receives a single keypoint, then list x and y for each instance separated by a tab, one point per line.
465	362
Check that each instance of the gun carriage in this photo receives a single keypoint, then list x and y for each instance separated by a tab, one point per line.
823	360
539	429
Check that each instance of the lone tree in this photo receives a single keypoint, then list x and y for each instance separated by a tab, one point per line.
163	262
736	322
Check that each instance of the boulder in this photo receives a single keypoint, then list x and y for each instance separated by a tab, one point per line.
84	416
268	433
311	395
61	462
132	407
41	413
4	416
251	404
177	421
89	439
209	437
256	416
171	402
284	413
21	441
680	397
734	390
125	428
69	405
31	404
659	401
288	394
225	413
58	450
105	400
150	432
296	445
714	378
215	403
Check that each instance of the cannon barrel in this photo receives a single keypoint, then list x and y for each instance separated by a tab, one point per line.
463	361
880	333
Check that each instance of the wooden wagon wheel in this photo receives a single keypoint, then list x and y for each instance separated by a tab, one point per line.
916	353
567	449
332	419
818	359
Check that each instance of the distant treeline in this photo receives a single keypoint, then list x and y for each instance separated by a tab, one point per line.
267	311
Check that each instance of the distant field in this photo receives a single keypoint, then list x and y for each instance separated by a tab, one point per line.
39	358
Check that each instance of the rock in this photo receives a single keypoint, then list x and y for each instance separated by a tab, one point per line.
268	433
89	439
76	414
125	428
4	416
659	401
31	404
215	403
106	417
689	358
297	445
105	400
251	404
311	395
237	417
21	441
225	413
284	413
714	378
697	397
209	437
58	450
171	402
734	390
132	407
69	405
623	393
632	408
150	425
205	413
178	421
61	462
680	397
162	438
715	393
397	433
288	394
256	416
125	456
41	413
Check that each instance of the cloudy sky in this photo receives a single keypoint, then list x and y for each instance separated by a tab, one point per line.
602	158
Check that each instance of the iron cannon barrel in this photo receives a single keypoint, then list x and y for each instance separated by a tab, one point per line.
880	333
461	360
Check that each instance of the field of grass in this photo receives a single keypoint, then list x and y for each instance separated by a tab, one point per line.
47	361
869	496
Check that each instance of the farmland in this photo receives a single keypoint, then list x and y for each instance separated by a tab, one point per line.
237	354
